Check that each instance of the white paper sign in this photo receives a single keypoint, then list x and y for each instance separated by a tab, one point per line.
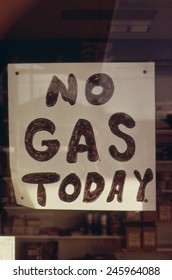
82	135
7	248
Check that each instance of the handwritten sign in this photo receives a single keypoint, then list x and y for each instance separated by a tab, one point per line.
82	135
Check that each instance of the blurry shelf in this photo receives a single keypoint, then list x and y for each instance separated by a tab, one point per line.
164	132
70	237
164	165
165	191
28	209
164	162
165	249
15	207
4	149
24	209
162	249
7	178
